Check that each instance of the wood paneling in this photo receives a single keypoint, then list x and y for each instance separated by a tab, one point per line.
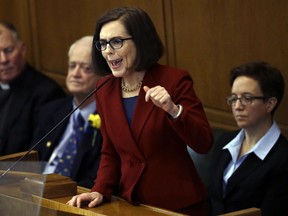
17	12
211	37
205	37
59	23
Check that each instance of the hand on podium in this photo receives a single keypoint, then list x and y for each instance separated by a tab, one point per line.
93	199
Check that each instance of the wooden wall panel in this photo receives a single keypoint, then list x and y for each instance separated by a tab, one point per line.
205	37
211	37
17	12
59	23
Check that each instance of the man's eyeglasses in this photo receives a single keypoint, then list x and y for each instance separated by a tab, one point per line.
115	43
244	99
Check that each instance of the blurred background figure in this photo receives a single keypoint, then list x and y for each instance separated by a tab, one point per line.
22	91
73	149
251	165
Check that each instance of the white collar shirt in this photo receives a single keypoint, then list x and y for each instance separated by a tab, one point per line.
260	149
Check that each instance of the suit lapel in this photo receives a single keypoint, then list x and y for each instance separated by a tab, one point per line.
54	138
19	97
139	117
224	159
248	166
116	116
18	100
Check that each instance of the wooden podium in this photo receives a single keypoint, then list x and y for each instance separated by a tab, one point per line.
19	201
57	190
16	198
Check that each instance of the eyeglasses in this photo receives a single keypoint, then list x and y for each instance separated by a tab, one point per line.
244	99
115	43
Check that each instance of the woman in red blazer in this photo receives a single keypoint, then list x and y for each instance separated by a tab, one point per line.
149	113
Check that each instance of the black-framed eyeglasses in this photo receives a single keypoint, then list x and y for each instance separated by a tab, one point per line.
244	99
115	43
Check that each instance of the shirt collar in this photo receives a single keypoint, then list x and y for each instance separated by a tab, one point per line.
86	111
261	148
4	86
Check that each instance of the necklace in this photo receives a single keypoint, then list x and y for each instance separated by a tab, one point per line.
126	89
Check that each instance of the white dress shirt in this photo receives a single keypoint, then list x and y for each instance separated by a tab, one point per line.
58	151
260	149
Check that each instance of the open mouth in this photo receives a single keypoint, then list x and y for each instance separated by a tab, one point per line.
115	63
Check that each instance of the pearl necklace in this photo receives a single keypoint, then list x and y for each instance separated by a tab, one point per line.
126	89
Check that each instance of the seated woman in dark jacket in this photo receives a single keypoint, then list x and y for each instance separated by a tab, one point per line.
251	165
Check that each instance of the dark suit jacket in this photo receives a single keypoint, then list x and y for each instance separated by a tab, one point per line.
31	90
88	155
149	159
256	183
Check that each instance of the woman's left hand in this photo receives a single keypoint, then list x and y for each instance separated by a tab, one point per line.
161	98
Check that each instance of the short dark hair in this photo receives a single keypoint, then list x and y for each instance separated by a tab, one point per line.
11	28
149	47
270	79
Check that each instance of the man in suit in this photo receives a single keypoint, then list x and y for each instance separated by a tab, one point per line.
250	168
23	90
81	80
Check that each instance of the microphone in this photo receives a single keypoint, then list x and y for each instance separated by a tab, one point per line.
54	128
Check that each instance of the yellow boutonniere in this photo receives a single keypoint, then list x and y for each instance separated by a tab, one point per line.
94	120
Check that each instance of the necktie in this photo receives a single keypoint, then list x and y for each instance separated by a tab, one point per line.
65	163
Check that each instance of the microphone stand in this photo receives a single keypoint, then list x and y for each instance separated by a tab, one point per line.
53	129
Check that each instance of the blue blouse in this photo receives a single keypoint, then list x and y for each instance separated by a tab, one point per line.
129	106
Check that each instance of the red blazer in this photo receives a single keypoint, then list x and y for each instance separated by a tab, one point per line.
148	160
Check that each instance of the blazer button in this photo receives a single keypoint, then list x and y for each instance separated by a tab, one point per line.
48	144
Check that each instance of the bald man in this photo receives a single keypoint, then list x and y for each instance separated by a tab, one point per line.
80	81
23	90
